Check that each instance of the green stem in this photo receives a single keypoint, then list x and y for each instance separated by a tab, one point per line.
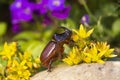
38	26
37	23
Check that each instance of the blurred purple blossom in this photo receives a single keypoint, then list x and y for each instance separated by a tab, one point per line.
46	21
16	28
85	19
61	14
21	10
56	4
41	7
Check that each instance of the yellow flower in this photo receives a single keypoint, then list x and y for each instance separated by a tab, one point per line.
109	53
102	46
82	33
28	57
37	60
36	63
86	50
75	37
97	52
9	50
18	71
92	55
74	57
19	65
11	77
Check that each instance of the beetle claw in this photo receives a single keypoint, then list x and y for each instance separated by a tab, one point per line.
49	70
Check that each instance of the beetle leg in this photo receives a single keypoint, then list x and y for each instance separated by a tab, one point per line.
60	53
59	56
49	65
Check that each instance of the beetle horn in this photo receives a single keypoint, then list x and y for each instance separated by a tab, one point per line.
66	29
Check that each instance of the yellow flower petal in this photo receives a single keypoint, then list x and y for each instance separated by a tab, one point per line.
82	33
112	55
66	60
101	61
87	60
75	31
101	53
89	32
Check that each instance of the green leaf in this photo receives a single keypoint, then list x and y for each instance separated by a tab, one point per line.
116	27
34	46
109	9
3	28
69	23
27	35
37	50
46	35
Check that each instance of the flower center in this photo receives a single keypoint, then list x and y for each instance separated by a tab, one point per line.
18	4
56	2
84	19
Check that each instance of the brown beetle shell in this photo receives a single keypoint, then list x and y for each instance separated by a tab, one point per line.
49	53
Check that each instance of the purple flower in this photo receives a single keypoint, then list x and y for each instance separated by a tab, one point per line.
61	14
21	10
56	4
41	7
85	19
47	20
16	28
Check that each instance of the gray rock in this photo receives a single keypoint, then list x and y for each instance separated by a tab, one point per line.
95	71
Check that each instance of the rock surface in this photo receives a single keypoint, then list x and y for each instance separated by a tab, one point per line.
108	71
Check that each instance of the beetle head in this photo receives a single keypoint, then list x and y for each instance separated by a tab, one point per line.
63	37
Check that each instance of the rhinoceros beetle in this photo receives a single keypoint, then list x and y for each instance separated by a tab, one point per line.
54	48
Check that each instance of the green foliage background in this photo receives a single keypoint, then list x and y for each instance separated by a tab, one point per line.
104	17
